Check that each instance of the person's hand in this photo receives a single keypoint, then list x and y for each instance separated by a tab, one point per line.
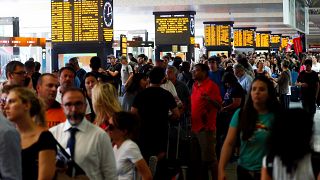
222	175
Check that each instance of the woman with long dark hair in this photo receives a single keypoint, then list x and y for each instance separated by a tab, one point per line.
290	148
252	123
90	80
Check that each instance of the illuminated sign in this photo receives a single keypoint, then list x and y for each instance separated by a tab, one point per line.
123	45
243	37
81	20
263	39
284	41
217	33
174	28
275	40
23	41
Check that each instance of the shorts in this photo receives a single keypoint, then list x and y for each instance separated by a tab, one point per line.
207	143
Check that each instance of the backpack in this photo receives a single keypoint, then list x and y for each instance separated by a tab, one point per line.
315	162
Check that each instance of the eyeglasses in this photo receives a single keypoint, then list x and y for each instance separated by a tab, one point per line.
20	73
3	100
78	104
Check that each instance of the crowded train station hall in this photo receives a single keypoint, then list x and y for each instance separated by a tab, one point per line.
163	90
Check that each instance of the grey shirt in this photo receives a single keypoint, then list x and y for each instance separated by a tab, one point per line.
10	151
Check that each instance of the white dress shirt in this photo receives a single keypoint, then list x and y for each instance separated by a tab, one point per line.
93	150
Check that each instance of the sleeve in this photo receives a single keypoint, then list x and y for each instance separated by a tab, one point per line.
130	69
133	153
10	156
264	162
214	93
47	141
248	84
235	119
118	68
300	77
107	159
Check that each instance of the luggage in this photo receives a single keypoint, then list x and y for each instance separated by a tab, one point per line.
295	94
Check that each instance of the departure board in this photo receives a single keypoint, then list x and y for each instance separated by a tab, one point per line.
174	28
81	20
217	34
262	39
284	41
275	40
243	37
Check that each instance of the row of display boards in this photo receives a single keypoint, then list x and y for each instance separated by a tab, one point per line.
223	34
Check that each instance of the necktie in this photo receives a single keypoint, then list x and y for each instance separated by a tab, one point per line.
72	140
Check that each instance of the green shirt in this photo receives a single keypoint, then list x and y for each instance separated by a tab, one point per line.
253	150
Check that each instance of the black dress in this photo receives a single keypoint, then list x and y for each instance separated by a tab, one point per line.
30	155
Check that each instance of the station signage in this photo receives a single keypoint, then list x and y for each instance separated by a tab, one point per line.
23	42
81	20
217	34
284	41
243	37
263	39
174	28
123	45
275	40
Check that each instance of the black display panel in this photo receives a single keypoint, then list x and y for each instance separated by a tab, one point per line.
81	21
275	40
174	28
217	33
263	39
243	37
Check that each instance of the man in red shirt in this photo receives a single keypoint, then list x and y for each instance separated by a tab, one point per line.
205	103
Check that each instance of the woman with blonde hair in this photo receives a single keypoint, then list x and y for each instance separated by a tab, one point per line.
38	144
105	103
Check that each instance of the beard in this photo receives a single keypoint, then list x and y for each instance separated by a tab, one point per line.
75	118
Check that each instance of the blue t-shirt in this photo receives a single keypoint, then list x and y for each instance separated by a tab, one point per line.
216	77
253	150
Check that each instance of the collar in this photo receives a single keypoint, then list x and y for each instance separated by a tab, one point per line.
203	82
82	126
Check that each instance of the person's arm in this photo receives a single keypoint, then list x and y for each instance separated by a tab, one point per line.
175	113
129	78
264	174
113	74
10	156
236	102
47	164
143	169
226	151
214	103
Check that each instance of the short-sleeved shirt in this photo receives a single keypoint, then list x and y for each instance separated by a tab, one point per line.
201	110
153	105
312	80
233	92
30	155
125	73
126	156
114	68
253	149
55	115
216	76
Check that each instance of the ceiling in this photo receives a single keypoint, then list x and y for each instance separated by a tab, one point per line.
131	15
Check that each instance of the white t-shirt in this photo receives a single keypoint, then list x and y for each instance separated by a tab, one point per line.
303	171
125	73
126	157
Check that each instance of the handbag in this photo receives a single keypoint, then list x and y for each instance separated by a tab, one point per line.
66	164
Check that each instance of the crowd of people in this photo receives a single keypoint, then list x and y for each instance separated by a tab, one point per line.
114	122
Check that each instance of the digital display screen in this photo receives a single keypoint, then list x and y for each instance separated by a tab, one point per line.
275	40
84	59
262	39
123	45
243	37
284	42
81	20
217	35
174	29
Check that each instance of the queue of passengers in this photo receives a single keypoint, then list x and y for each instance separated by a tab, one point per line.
73	123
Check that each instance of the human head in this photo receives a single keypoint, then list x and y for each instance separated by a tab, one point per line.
214	62
159	63
29	67
123	125
15	73
95	63
156	75
74	105
141	59
105	100
4	95
138	82
264	95
185	67
200	72
90	80
37	66
308	64
112	59
123	60
285	64
66	77
74	62
172	73
260	64
23	102
47	87
239	70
